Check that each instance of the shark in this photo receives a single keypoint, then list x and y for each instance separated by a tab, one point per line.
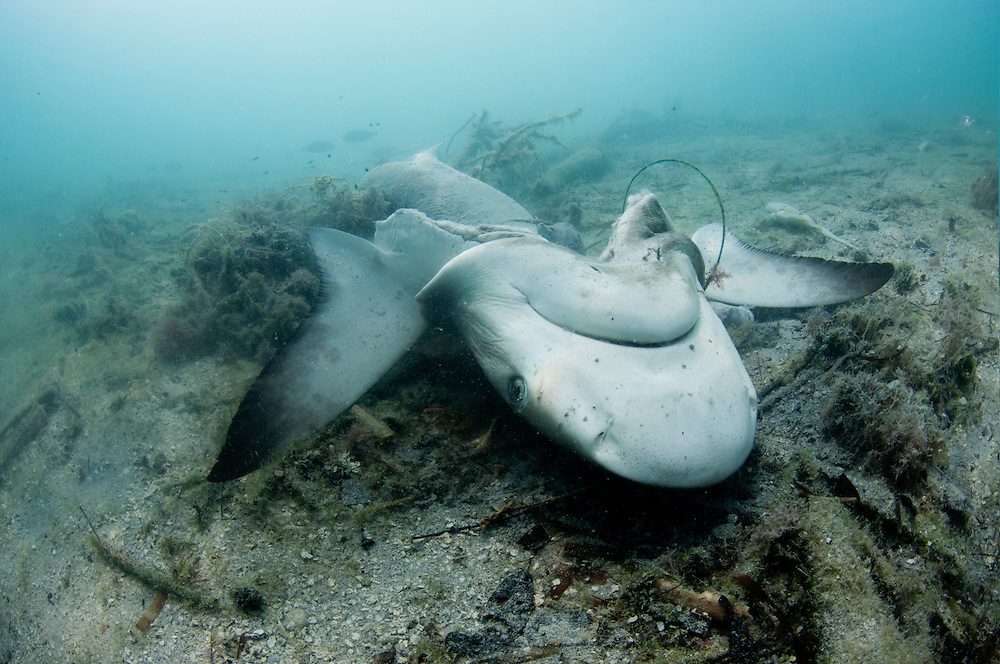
621	357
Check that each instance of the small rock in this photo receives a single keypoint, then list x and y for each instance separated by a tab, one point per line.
534	538
353	493
295	618
548	627
472	644
696	624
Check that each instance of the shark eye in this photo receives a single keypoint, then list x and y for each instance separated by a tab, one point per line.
517	393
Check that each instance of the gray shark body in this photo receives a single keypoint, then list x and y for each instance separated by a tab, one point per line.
620	358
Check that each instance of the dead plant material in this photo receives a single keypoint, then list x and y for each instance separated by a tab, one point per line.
241	643
147	575
151	612
508	156
481	444
375	425
711	603
506	512
25	427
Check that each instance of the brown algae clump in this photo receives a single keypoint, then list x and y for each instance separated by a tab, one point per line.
984	192
250	280
886	427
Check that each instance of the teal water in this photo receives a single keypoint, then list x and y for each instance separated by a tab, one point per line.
135	136
229	91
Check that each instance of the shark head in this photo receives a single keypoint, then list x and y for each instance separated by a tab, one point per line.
626	364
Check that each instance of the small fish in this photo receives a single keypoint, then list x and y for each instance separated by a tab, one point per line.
318	147
358	135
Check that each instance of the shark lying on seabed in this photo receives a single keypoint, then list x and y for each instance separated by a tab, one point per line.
620	358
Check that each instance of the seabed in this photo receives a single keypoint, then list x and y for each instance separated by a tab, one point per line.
429	524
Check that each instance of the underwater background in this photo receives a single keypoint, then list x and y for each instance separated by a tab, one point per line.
159	163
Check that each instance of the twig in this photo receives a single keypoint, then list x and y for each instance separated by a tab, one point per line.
91	524
459	131
506	512
149	576
240	645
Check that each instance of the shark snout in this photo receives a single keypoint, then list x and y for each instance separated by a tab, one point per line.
677	458
680	415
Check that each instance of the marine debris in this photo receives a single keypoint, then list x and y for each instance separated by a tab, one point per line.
148	575
797	221
508	157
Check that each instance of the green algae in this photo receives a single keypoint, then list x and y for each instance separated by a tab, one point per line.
153	578
854	623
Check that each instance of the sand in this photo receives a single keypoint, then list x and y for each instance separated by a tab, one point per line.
875	541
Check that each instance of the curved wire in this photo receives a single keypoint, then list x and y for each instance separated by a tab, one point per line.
722	208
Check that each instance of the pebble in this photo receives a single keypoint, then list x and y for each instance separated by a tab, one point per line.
295	618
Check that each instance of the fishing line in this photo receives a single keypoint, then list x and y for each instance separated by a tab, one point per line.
722	208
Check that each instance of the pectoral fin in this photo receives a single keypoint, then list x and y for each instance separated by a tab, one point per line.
367	318
755	277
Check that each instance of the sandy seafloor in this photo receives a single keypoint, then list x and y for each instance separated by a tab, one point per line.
824	550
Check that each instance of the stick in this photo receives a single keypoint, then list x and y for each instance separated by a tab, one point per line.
91	524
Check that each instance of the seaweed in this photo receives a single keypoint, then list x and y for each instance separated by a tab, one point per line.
338	205
247	289
983	193
114	231
885	426
249	280
905	278
890	402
